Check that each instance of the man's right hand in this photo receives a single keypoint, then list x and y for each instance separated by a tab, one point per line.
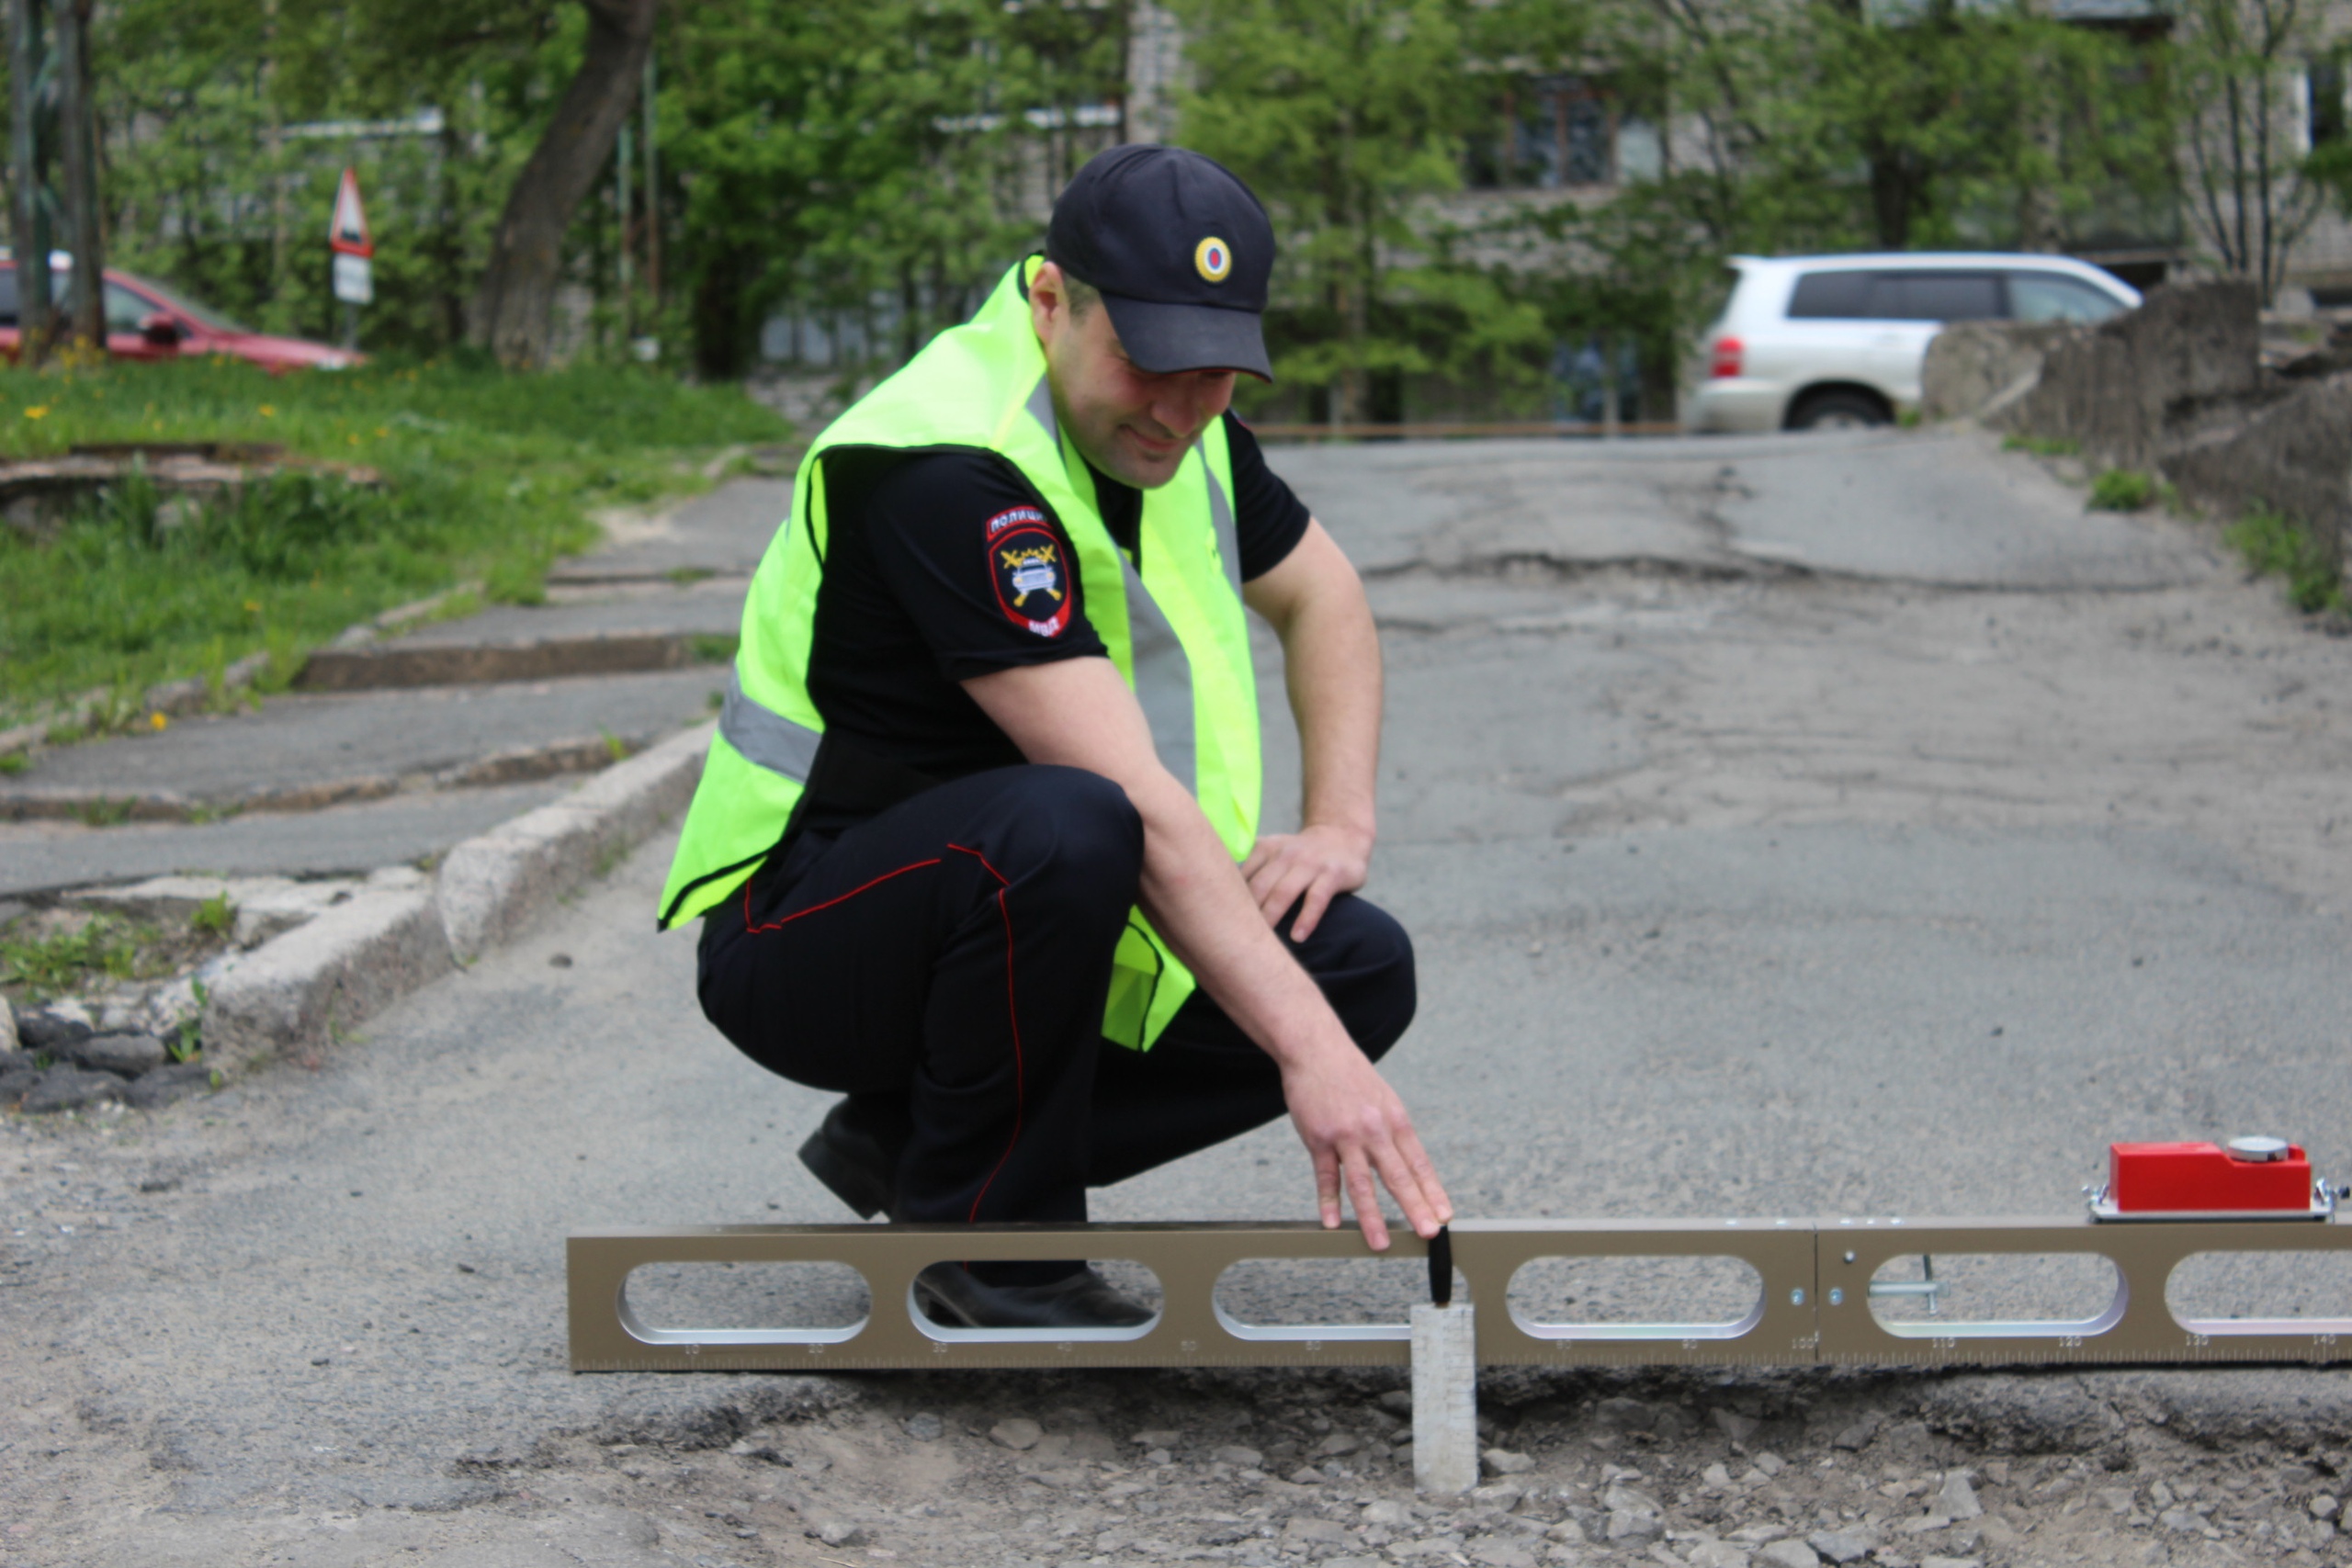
1361	1138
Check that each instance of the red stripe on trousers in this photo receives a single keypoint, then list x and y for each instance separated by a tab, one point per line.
1012	1016
751	930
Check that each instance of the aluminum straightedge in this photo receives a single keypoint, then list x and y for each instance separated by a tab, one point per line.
1813	1309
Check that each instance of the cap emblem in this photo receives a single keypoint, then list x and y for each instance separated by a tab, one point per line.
1214	258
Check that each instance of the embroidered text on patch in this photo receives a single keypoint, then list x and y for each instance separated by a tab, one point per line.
1003	520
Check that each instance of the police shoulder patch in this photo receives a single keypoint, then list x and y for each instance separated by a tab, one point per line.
1027	564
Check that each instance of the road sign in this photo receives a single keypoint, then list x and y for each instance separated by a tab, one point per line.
353	284
348	235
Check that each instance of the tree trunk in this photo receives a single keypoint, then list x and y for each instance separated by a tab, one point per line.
29	50
725	335
513	314
78	148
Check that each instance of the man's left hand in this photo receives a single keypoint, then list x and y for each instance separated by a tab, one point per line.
1309	868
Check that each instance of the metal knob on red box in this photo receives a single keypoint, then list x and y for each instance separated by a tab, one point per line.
2246	1179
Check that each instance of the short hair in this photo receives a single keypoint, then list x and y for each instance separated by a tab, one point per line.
1082	296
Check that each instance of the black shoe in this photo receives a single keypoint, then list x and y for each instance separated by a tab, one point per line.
951	1297
854	1152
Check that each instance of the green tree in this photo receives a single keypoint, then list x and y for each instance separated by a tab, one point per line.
2252	193
1346	116
839	153
219	180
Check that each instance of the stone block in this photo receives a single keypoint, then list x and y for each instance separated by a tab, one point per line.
1445	1398
493	888
68	1089
128	1054
2130	388
2293	455
1975	370
292	992
153	1090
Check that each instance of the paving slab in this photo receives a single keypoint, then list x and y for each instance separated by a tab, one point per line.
709	605
725	531
605	628
46	857
302	748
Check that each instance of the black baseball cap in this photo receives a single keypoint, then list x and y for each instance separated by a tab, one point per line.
1181	252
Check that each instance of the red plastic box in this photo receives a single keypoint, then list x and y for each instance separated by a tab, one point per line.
2173	1178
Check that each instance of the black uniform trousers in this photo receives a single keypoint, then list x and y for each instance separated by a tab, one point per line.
945	964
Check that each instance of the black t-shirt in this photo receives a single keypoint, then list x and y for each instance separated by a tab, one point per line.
944	567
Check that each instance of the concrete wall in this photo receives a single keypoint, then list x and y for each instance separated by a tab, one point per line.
2139	383
1977	368
2293	455
2175	387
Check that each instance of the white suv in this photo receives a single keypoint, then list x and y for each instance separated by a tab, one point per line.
1821	343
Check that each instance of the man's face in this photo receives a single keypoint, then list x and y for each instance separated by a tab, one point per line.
1134	425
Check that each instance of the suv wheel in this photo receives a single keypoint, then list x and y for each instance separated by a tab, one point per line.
1838	411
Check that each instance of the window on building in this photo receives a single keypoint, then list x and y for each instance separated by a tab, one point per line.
1558	131
2323	81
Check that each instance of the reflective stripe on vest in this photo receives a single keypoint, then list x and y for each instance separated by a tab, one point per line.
1163	675
765	736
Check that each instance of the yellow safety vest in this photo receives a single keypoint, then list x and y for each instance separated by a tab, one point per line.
1175	629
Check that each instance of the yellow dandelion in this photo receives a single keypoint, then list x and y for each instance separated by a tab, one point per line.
157	721
353	438
269	411
382	432
38	411
252	606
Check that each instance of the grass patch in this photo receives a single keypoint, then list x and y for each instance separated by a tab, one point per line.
2274	545
216	916
2123	489
485	476
713	647
103	811
2043	446
62	961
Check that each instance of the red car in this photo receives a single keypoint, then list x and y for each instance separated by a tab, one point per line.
147	321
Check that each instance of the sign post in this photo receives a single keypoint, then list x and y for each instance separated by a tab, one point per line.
347	237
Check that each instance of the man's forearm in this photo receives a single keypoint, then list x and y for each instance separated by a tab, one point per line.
1314	601
1198	903
1331	665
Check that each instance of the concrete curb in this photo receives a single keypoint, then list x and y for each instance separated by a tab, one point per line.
294	993
483	663
493	887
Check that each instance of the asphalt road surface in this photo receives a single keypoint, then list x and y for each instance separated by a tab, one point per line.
1773	845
